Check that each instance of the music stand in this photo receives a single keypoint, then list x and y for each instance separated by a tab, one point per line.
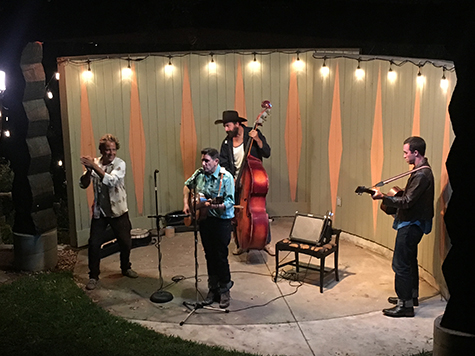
160	296
194	306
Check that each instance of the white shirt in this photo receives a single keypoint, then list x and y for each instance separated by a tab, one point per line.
238	153
110	198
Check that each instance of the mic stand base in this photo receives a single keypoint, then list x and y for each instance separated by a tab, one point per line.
193	307
161	296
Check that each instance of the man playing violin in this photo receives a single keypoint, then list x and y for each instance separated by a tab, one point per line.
215	229
233	150
415	210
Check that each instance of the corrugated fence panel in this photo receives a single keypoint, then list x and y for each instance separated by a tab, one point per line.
213	91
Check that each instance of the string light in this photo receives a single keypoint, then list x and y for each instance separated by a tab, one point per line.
169	67
49	94
298	64
87	74
391	74
60	163
444	83
255	65
6	133
3	86
56	75
324	70
420	78
127	72
212	64
359	72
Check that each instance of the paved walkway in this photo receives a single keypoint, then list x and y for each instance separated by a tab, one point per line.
283	318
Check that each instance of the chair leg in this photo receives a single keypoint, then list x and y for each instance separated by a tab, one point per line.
276	264
337	277
297	263
322	273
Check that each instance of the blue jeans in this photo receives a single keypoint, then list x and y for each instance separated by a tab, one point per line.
215	236
404	264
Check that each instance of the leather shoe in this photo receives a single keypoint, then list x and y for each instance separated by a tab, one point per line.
269	249
224	300
212	296
238	251
394	300
399	312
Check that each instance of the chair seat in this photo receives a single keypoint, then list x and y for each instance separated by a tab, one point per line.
310	249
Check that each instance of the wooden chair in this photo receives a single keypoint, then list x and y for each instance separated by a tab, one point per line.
314	236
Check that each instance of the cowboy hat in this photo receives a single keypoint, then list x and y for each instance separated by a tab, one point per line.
230	116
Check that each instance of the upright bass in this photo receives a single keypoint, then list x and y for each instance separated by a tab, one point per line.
252	185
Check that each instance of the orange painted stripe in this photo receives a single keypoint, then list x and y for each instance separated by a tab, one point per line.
188	140
88	144
239	98
377	147
416	122
137	142
335	144
293	135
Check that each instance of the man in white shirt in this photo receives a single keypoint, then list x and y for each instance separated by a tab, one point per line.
107	174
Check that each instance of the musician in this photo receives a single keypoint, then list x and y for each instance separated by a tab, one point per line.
107	174
233	150
415	210
215	230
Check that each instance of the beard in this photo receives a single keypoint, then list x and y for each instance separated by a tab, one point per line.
233	133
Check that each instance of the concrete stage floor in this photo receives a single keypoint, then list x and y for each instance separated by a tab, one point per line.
267	318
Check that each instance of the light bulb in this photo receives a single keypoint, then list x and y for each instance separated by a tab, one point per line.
169	67
212	65
420	78
49	94
391	75
254	65
56	75
2	81
324	70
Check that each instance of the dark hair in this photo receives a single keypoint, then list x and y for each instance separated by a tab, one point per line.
108	138
416	143
212	152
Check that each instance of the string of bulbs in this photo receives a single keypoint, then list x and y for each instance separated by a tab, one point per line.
324	55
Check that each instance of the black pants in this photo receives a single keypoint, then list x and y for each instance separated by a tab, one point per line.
405	264
215	236
121	227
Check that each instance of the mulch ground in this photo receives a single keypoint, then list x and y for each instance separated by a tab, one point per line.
67	257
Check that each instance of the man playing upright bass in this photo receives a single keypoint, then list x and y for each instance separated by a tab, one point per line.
233	149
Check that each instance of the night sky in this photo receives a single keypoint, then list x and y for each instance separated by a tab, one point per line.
406	28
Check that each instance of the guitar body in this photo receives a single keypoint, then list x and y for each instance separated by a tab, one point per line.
252	220
201	212
393	192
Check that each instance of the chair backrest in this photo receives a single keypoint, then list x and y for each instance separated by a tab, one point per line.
312	229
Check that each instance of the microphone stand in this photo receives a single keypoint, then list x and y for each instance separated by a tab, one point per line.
193	307
160	296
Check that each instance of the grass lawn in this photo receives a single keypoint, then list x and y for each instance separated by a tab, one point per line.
48	314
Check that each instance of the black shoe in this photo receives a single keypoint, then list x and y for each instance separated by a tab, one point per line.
399	312
224	300
393	300
212	296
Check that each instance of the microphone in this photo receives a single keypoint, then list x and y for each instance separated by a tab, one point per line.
197	173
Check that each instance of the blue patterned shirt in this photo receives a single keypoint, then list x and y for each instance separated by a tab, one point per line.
208	185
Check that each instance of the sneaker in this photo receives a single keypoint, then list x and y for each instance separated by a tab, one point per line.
238	251
130	273
269	249
224	300
92	284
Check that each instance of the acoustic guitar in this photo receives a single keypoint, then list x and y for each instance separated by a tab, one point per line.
198	202
393	192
